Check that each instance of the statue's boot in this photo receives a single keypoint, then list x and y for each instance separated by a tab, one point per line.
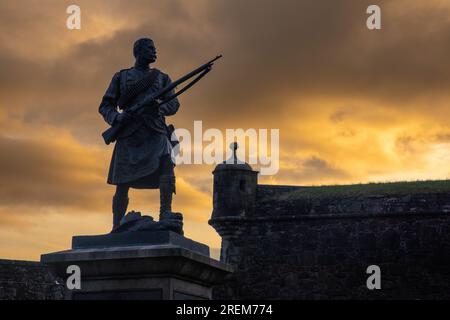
119	208
166	190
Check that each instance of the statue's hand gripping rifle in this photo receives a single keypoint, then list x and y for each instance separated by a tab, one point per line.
110	135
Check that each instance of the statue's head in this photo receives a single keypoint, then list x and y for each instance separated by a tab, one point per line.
144	49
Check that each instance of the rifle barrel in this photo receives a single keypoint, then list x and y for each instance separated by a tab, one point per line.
110	135
191	74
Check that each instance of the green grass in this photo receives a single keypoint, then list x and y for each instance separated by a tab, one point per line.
368	189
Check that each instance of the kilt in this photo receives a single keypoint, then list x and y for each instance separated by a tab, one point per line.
136	159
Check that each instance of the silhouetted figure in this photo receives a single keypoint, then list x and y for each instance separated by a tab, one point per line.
142	155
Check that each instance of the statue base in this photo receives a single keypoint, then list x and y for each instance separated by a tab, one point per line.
134	238
158	265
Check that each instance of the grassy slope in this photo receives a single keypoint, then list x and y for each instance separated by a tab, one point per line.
369	189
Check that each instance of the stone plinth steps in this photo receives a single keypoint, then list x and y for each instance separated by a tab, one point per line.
139	265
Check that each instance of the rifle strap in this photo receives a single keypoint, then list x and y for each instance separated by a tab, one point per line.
139	87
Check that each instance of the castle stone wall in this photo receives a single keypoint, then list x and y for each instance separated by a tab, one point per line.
327	258
26	280
295	247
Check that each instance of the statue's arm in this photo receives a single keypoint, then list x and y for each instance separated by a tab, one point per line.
171	107
108	106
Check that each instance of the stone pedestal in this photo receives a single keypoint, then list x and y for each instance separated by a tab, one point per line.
139	265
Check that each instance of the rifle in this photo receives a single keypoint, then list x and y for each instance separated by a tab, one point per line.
110	135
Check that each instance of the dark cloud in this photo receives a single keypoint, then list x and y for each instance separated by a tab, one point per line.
274	53
413	143
312	170
315	166
340	115
40	177
50	174
322	48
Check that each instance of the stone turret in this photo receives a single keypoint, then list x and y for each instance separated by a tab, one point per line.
234	197
235	185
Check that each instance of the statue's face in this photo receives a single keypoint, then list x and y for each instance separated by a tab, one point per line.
148	52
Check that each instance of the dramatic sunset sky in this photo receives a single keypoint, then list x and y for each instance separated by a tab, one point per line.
352	105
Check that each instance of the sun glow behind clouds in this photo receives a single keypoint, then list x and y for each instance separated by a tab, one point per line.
439	158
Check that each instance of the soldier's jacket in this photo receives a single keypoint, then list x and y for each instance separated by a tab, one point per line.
140	147
151	117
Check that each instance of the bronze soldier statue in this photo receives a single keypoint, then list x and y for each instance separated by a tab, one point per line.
142	154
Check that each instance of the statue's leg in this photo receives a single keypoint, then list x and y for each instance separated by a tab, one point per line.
119	204
166	188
